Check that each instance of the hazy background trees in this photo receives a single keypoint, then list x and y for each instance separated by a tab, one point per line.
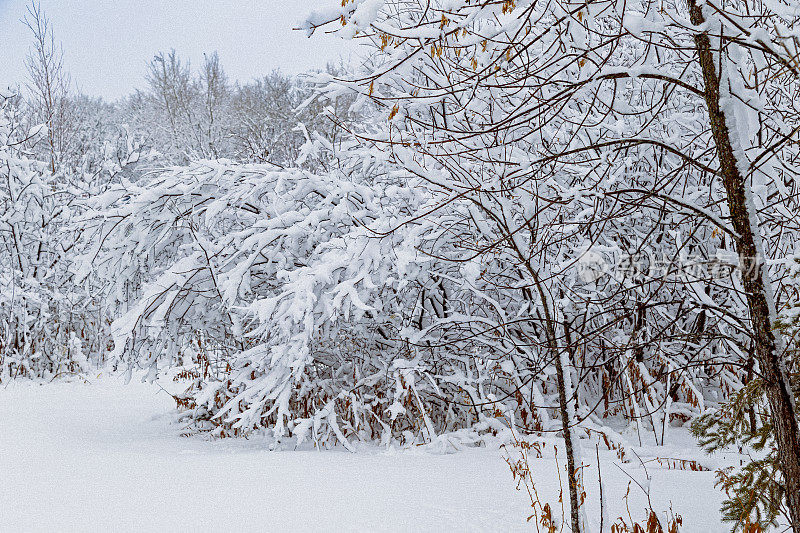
61	148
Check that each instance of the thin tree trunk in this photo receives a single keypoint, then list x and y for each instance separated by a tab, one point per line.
566	420
759	298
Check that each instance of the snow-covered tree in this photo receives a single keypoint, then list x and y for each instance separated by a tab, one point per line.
49	89
264	120
590	133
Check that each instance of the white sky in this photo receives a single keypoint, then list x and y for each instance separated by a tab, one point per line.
107	43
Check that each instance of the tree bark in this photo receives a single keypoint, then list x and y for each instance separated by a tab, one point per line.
761	304
572	481
550	323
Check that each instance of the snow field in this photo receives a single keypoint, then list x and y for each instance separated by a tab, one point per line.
104	456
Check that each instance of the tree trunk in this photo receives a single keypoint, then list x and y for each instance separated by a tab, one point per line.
760	301
572	473
566	418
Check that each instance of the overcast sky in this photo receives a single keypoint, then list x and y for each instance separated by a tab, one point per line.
107	43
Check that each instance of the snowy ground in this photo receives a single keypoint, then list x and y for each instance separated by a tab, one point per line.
107	457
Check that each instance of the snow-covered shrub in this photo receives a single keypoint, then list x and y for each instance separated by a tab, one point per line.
281	280
53	319
44	319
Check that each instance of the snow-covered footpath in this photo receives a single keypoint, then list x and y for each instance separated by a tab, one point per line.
105	456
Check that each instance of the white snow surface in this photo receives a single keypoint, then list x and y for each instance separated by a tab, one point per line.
105	456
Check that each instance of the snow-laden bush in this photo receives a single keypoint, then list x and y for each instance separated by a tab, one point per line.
297	295
44	319
53	320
